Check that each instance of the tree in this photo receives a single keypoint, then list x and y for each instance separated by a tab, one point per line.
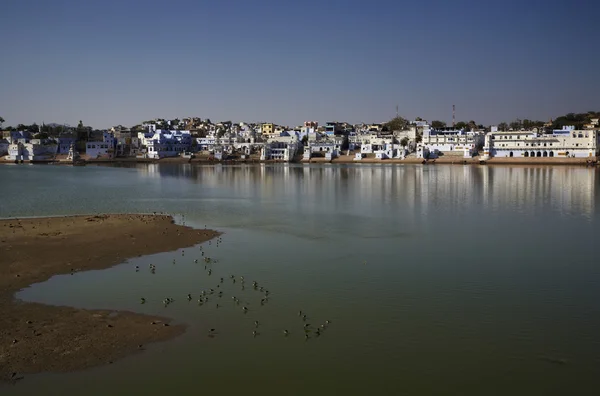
396	124
503	126
404	142
516	125
41	135
1	121
461	125
304	140
33	128
438	124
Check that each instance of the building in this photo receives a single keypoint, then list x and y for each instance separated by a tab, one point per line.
563	143
279	151
267	130
101	148
165	143
449	141
64	144
328	149
4	147
35	150
333	128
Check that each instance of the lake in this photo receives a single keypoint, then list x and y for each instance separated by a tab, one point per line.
436	280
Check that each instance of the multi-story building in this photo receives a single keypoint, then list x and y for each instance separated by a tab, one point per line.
563	143
449	140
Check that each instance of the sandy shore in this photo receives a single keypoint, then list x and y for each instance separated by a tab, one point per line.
36	337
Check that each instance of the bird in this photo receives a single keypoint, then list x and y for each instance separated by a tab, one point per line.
195	260
254	333
256	323
143	300
299	313
245	309
285	332
189	297
327	322
304	317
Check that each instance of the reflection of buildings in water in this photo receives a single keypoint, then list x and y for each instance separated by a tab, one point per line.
398	193
561	189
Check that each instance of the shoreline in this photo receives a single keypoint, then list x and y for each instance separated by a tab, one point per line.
39	338
344	159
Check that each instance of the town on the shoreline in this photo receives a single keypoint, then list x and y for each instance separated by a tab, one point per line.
397	140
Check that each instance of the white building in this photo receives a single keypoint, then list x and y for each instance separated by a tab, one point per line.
449	140
329	149
279	151
163	143
562	143
35	150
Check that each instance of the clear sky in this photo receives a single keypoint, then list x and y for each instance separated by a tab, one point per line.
123	61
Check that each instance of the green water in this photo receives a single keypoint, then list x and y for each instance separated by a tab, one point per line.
437	280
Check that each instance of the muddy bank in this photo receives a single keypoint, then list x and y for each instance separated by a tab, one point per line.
37	337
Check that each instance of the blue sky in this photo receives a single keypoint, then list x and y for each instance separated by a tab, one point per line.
121	62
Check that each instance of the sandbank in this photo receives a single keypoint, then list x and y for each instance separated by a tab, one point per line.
38	338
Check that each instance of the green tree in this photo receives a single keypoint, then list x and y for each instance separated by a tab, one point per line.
516	125
404	142
304	140
438	124
503	126
396	124
33	128
41	135
461	125
1	121
419	137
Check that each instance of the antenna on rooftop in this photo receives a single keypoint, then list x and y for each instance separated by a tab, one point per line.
453	115
397	114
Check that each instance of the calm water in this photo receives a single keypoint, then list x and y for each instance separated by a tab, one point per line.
437	280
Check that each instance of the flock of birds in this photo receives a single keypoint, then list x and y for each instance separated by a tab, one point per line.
216	294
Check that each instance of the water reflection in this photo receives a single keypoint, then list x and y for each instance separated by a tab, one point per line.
382	188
